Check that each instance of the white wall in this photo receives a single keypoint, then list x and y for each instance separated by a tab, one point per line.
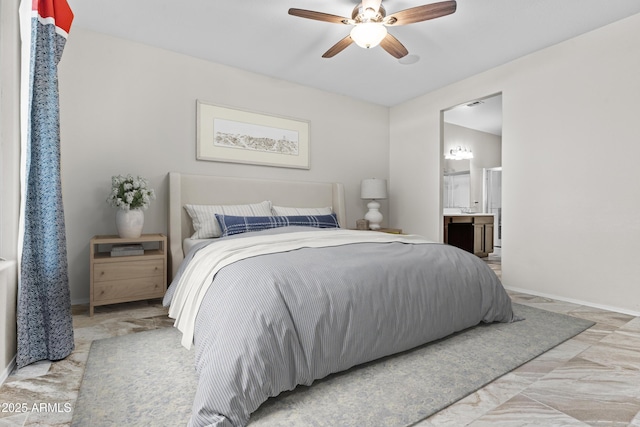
131	108
570	153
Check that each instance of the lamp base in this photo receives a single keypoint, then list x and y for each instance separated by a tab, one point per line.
373	216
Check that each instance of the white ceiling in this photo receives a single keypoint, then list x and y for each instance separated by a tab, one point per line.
482	114
260	36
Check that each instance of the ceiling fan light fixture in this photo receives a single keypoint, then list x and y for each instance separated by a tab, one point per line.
369	18
368	34
369	14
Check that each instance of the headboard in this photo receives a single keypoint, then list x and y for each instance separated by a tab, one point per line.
216	190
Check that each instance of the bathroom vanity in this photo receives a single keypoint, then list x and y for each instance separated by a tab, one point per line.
472	232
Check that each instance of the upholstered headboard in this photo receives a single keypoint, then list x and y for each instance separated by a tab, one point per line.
215	190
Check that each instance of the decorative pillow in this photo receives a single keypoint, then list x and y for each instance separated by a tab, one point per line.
284	211
204	220
241	224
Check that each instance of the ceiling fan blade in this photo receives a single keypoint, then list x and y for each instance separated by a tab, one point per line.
338	47
421	13
318	16
393	46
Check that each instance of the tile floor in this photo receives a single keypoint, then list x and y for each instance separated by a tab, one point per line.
592	379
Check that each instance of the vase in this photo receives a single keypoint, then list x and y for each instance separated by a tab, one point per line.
129	223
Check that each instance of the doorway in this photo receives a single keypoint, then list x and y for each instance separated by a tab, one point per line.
472	147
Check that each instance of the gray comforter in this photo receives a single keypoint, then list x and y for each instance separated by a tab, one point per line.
272	322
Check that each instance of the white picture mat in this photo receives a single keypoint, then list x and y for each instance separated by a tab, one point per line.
217	121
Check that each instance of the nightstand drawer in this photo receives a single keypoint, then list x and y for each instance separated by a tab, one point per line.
127	270
128	290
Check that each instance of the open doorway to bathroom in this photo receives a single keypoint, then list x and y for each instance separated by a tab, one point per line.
472	164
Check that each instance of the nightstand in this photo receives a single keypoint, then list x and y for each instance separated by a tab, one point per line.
116	279
391	230
384	230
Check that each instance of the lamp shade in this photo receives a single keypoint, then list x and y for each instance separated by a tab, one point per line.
373	189
368	34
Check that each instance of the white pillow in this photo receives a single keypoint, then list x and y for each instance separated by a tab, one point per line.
284	211
204	220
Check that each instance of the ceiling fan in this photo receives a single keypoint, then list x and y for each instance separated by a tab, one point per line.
370	20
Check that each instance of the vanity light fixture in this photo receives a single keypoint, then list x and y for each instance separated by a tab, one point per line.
459	153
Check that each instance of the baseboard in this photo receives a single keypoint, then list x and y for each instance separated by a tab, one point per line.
7	371
575	301
80	301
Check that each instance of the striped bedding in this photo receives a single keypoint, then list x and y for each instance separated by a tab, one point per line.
270	322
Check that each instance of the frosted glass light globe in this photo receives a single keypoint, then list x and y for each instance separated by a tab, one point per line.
368	34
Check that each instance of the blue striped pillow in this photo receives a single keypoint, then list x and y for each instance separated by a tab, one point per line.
230	224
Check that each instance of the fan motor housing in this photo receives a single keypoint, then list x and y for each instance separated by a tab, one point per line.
359	16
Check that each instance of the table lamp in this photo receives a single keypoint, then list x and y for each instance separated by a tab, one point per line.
373	189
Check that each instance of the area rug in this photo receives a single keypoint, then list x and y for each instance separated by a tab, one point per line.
148	378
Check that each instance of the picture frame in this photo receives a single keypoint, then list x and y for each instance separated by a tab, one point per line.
227	134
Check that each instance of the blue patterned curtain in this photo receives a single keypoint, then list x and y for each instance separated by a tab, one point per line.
45	329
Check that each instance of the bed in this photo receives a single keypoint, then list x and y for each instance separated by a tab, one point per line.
269	307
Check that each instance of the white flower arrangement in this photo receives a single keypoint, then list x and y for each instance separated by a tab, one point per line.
128	193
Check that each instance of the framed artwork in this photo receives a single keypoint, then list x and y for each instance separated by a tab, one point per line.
227	134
